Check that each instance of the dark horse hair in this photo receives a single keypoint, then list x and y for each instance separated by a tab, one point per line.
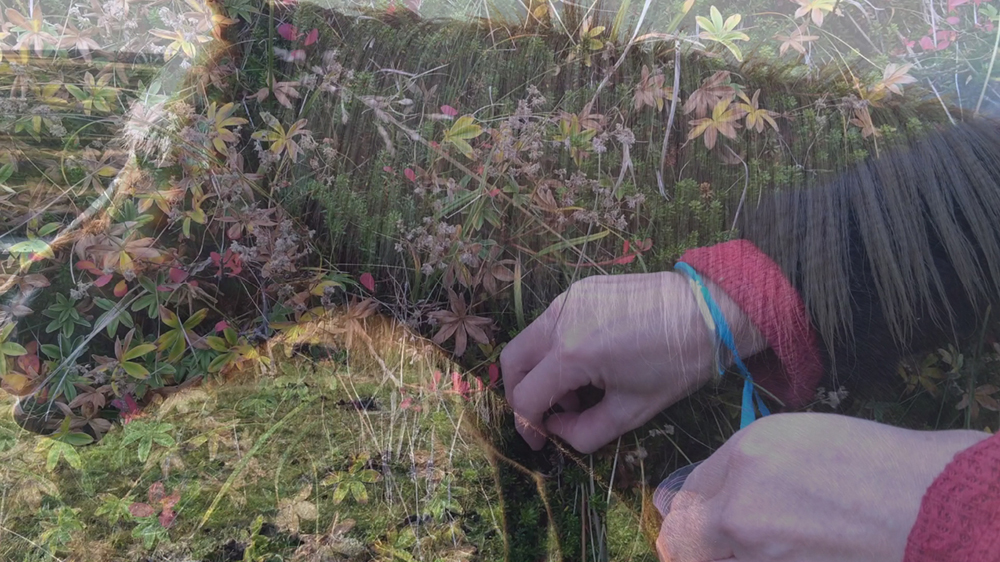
897	253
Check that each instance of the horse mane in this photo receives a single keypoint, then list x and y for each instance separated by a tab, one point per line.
894	221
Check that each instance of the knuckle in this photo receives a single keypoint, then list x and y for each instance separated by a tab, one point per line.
735	527
518	399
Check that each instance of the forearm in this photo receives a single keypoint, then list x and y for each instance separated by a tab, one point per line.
959	516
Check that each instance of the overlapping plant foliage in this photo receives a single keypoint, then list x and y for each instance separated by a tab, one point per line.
180	181
150	147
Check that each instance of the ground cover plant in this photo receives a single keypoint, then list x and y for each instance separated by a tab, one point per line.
231	193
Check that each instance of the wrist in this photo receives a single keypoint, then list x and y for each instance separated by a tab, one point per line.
959	511
749	340
763	301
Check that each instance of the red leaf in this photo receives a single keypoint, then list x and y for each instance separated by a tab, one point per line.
288	31
103	280
121	288
461	387
126	404
410	174
449	110
177	275
231	261
388	170
625	247
405	404
391	9
89	267
312	37
141	510
221	325
952	4
435	380
29	362
494	374
368	281
953	20
167	518
156	492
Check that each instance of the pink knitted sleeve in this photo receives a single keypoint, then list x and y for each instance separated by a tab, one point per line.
792	368
959	519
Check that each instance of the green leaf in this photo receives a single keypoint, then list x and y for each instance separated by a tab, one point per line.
144	447
135	370
368	476
217	344
12	349
77	439
340	493
573	242
463	147
76	91
49	228
6	171
464	128
164	439
36	246
359	492
138	351
196	318
219	362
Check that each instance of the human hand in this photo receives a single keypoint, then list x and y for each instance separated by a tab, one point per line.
640	337
805	486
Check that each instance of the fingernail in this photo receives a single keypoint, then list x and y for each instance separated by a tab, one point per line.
667	489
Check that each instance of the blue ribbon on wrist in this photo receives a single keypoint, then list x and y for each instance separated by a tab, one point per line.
717	324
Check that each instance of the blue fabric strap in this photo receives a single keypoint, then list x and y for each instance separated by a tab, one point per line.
717	323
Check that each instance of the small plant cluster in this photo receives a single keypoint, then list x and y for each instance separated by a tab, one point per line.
138	252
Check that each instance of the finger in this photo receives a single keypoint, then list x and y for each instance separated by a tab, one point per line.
548	382
524	352
691	532
570	402
709	477
586	431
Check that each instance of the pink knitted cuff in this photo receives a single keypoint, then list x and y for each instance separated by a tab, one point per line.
959	519
757	285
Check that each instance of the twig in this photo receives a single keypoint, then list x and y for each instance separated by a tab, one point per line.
614	466
989	71
941	101
746	185
670	119
621	59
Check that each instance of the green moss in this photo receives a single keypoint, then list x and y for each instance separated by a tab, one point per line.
215	431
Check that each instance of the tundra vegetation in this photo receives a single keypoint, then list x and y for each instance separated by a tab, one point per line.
259	258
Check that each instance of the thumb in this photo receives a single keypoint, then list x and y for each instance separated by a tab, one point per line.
586	431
